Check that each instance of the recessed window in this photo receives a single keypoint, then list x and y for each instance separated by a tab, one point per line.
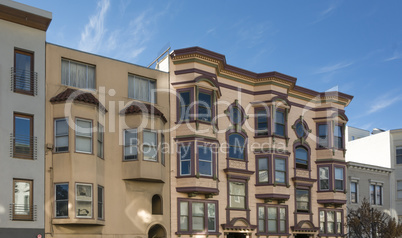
263	171
22	204
338	137
100	140
150	146
237	195
130	144
331	222
324	178
280	171
23	136
353	192
399	189
202	215
141	88
339	179
204	107
323	136
101	204
302	200
301	155
205	160
61	135
61	200
156	205
83	200
83	136
399	155
184	102
235	115
77	74
164	148
279	123
236	146
272	219
300	130
376	194
185	159
24	81
261	122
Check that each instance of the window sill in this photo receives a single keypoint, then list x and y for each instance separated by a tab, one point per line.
262	136
197	233
28	93
237	209
272	234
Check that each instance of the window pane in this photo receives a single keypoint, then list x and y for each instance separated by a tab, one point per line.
300	129
152	91
302	199
150	153
184	105
185	160
84	128
22	197
198	223
149	138
211	217
261	213
198	209
379	195
279	117
279	130
262	122
301	158
263	170
235	115
61	127
261	225
83	144
323	135
271	226
324	178
84	201
237	188
183	223
272	213
184	208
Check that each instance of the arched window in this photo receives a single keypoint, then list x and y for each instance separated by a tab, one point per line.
301	156
157	205
236	146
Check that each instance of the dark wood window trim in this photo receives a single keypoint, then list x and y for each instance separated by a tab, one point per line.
337	223
328	136
23	139
18	207
343	177
285	129
190	106
266	232
20	77
267	113
330	181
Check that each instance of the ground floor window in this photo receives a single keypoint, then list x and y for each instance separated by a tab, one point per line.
197	216
272	219
331	222
22	205
83	200
61	197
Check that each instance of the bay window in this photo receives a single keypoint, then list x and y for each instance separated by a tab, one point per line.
280	171
272	219
83	200
76	74
204	106
338	137
263	170
205	167
324	178
130	144
185	159
61	200
149	146
280	126
261	122
323	136
331	222
141	88
339	178
197	216
100	140
61	135
83	136
184	108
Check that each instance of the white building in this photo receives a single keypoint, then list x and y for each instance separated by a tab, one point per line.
381	149
22	96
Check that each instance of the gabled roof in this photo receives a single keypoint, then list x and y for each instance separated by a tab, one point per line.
77	96
140	107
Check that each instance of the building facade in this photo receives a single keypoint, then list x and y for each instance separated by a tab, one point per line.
106	173
382	149
22	93
253	154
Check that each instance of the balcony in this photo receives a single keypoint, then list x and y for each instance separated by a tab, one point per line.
23	147
24	81
23	212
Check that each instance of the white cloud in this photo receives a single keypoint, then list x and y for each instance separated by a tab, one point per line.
327	12
397	55
383	102
334	67
92	36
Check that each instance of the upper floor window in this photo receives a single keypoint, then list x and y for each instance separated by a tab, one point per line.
24	81
280	126
83	136
185	159
263	170
237	195
376	194
262	122
157	205
302	161
235	115
23	136
323	136
76	74
141	88
61	200
300	130
205	160
272	219
149	147
323	178
184	108
83	200
130	144
338	137
302	200
280	171
399	155
331	222
339	178
353	192
101	205
197	216
23	197
204	106
61	135
399	189
100	140
236	146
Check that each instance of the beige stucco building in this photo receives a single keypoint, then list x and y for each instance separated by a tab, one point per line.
106	174
22	93
253	154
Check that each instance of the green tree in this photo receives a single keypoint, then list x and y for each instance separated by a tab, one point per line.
366	222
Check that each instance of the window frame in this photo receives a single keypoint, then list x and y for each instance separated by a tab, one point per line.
375	186
130	145
327	138
191	105
189	216
199	160
300	211
268	121
399	189
101	204
61	200
155	146
342	137
87	66
191	146
91	137
63	135
356	187
329	168
336	222
343	178
230	194
266	219
31	72
268	170
30	215
20	155
299	165
398	161
211	109
76	200
163	156
151	98
286	171
100	141
244	150
285	130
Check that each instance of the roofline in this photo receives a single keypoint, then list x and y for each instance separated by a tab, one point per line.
105	57
369	166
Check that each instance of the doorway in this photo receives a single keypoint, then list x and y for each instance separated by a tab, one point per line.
302	236
237	235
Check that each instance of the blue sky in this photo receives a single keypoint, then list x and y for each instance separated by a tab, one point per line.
355	46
